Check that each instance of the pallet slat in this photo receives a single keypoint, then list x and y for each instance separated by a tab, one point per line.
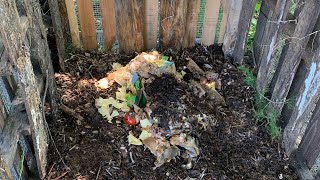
129	20
191	24
225	7
108	22
151	24
172	23
271	44
87	25
74	28
210	22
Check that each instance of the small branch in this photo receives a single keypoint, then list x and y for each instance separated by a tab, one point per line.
70	112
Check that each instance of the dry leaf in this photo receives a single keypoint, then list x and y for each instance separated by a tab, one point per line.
133	140
144	135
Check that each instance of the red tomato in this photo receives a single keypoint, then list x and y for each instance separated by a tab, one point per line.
128	119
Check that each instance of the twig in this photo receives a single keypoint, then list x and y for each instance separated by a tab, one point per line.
98	172
71	112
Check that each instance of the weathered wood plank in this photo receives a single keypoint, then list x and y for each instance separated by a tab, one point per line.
109	22
231	33
311	89
57	27
14	42
74	28
129	20
225	7
3	115
210	22
40	52
246	14
5	66
172	23
9	138
271	44
151	13
191	24
87	25
260	32
65	22
310	146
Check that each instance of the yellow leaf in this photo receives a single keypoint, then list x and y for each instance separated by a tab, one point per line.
144	135
133	140
121	94
211	85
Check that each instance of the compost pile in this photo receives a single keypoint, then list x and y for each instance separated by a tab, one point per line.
168	115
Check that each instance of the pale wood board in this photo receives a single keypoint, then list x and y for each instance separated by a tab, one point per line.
151	23
225	7
74	28
210	22
191	24
109	22
87	25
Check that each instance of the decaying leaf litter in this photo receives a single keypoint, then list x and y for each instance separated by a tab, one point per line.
180	122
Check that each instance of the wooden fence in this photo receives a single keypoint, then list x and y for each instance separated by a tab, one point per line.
287	52
25	71
140	25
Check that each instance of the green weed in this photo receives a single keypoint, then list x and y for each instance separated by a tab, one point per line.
261	105
253	26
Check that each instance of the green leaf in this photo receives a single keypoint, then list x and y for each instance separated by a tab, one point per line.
166	58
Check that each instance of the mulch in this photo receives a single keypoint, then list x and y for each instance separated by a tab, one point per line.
233	145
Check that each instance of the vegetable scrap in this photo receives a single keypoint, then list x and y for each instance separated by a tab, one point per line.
167	138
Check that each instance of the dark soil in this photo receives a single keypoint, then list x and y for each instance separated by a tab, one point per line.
232	144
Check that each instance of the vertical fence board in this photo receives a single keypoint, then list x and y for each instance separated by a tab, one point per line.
223	27
230	36
305	105
151	23
87	25
172	23
129	20
246	14
57	27
74	28
191	24
293	57
210	22
108	22
260	32
310	146
270	45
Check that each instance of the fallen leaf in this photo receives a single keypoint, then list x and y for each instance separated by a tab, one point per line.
116	66
133	140
145	123
144	135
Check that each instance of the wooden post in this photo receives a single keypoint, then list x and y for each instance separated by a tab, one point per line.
210	22
129	20
87	25
74	28
57	27
231	33
225	7
293	56
270	46
14	42
151	13
172	23
109	22
246	14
